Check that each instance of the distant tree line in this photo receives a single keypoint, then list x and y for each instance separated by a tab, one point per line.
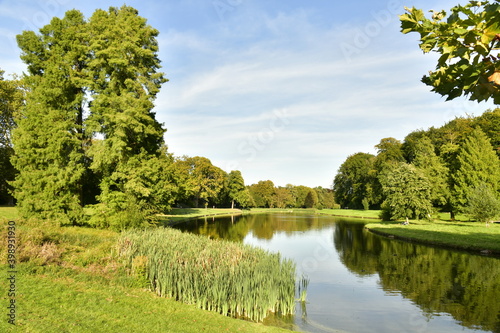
447	168
202	184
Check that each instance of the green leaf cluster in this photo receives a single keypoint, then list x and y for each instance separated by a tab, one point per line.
483	204
467	39
407	192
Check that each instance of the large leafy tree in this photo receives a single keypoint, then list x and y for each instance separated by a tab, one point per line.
10	101
235	185
263	193
407	192
48	140
123	81
434	169
203	181
477	164
489	122
284	197
467	39
311	200
91	87
483	204
352	182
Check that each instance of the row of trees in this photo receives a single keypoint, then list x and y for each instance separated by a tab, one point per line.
199	182
439	168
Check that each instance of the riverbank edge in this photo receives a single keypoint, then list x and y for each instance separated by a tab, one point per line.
238	212
442	244
470	249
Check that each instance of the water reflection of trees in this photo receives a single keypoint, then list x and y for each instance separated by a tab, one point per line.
437	280
263	226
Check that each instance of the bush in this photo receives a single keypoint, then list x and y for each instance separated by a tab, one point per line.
483	205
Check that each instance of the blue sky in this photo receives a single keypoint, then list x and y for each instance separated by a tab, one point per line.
280	90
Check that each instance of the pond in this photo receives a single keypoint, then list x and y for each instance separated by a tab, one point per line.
362	282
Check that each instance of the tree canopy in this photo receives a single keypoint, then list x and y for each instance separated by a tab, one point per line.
441	167
88	115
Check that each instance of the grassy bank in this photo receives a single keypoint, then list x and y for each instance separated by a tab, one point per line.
69	279
357	213
471	236
459	234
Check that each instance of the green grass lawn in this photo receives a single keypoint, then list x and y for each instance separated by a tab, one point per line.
457	234
58	300
9	213
70	280
371	214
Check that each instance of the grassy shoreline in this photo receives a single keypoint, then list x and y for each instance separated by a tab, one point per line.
460	234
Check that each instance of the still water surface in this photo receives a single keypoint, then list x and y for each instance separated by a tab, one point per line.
361	282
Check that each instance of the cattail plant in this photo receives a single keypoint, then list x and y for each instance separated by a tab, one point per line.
229	278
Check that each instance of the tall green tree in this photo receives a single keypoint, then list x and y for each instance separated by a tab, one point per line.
301	192
434	169
489	122
11	98
88	116
49	140
407	192
263	193
203	180
123	83
467	40
352	182
245	199
311	200
284	197
235	184
477	164
483	204
326	198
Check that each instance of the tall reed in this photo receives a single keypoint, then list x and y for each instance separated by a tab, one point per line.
230	278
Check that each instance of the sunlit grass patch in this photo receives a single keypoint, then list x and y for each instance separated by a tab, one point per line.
464	235
373	214
9	213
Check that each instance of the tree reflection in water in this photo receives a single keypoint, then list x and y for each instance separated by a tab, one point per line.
464	285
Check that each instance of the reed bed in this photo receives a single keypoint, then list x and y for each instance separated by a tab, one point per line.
229	278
